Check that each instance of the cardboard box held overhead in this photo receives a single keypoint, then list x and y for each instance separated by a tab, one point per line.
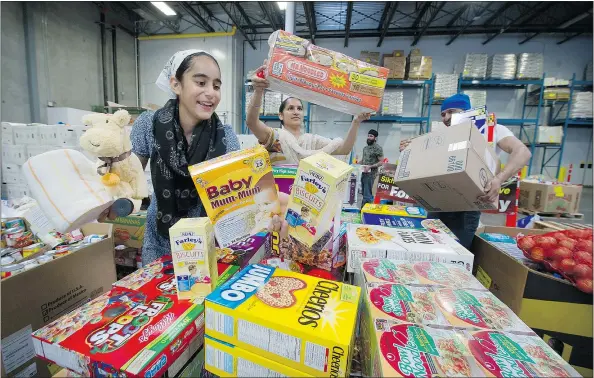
34	298
550	198
447	170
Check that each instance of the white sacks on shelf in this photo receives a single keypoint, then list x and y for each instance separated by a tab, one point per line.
446	85
581	105
502	67
393	102
14	154
477	97
25	134
475	66
530	66
67	187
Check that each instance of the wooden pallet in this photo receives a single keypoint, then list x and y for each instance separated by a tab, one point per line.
561	226
551	215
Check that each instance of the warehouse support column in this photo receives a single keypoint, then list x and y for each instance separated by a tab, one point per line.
31	61
290	17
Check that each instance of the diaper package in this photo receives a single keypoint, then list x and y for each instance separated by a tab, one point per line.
238	193
324	77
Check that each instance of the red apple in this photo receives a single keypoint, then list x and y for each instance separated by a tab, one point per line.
585	285
582	271
566	266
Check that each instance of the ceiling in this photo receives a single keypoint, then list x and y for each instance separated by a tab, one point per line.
346	20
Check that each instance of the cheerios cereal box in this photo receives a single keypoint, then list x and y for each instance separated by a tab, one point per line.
238	193
300	321
226	360
194	257
410	350
316	199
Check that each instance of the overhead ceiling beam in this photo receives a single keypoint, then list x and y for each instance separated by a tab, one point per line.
528	38
523	16
244	15
196	16
457	15
347	24
237	25
477	15
167	23
499	12
310	21
387	22
533	15
206	9
429	21
426	6
264	7
575	19
568	38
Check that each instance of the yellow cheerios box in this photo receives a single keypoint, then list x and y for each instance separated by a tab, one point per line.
317	193
226	360
238	193
303	322
194	257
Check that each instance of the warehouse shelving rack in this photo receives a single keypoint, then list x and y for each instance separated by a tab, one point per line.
567	122
523	121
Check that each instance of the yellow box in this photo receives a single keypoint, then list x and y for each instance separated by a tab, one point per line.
238	193
300	321
317	193
194	257
226	360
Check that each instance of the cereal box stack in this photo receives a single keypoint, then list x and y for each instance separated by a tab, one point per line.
325	77
433	319
271	322
316	199
238	193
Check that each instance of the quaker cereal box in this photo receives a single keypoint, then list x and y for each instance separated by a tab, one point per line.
440	306
238	193
299	68
302	322
410	350
404	244
194	257
226	360
284	176
121	333
415	273
315	201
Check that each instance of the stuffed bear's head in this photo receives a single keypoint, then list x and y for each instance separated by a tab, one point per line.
106	137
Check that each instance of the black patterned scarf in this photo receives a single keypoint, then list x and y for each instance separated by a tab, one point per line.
171	157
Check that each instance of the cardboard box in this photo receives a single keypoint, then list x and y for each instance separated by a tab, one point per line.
129	230
462	163
34	298
371	57
546	134
419	67
365	241
552	307
300	321
226	360
549	197
396	65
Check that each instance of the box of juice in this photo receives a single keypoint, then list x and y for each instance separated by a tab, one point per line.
316	199
194	257
238	193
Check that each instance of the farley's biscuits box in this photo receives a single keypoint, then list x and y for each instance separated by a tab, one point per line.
194	257
122	333
238	193
411	350
316	198
303	322
301	69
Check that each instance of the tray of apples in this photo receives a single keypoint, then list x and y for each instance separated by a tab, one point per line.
568	253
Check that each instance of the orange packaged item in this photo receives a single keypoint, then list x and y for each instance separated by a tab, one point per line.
324	77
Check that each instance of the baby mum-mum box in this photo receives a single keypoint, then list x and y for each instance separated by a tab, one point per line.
447	170
303	322
194	257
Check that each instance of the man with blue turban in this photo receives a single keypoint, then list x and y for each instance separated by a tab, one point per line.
464	223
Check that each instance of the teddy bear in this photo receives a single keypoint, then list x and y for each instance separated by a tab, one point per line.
120	170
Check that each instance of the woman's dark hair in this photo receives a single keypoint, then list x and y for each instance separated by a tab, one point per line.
187	63
283	104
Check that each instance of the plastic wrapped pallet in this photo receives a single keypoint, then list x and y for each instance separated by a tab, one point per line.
393	102
446	85
475	66
588	72
272	102
478	98
581	105
324	77
420	67
530	66
502	66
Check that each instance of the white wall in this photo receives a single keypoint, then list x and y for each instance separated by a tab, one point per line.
560	61
227	50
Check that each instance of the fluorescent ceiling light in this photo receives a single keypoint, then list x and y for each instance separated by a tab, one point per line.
282	5
163	7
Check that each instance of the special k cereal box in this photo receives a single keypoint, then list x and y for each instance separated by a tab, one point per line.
238	193
316	198
299	68
411	350
300	321
194	257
